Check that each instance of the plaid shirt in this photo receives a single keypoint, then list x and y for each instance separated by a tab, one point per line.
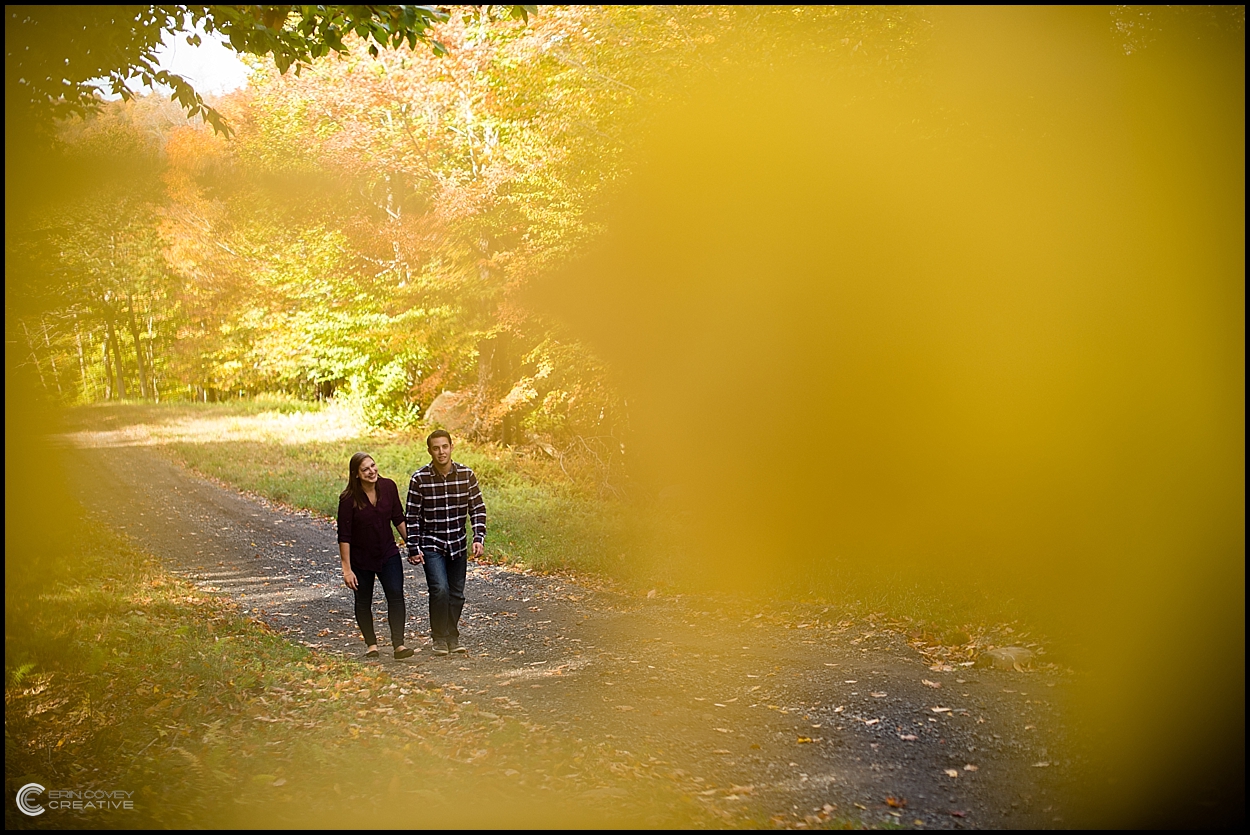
438	506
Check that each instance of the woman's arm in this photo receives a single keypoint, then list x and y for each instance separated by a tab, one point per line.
345	540
345	555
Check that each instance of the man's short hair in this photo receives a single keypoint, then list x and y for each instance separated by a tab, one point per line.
437	433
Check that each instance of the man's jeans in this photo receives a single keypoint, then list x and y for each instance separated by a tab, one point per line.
445	578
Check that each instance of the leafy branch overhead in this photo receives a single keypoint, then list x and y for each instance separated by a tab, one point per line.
58	58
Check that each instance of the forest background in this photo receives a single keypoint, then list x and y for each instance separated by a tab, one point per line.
368	232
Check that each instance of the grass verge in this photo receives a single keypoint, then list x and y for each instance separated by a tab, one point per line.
121	677
538	518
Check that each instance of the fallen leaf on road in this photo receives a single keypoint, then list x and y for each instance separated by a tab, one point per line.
281	781
928	683
651	594
970	767
708	793
878	695
860	806
871	721
804	739
839	708
896	802
942	668
957	814
1042	764
940	709
624	708
723	730
721	751
908	737
950	772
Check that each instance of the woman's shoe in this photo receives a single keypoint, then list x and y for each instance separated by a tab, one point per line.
373	653
404	652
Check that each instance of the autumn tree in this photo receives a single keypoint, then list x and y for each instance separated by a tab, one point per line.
373	227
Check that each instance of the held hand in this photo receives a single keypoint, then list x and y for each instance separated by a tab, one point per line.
415	556
349	578
478	549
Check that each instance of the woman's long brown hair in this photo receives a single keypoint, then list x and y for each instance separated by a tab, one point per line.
354	488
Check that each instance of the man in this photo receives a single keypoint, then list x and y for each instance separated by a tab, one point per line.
441	496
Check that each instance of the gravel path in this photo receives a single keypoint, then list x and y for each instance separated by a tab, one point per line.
797	714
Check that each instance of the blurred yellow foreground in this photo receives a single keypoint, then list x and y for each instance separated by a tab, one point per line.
983	327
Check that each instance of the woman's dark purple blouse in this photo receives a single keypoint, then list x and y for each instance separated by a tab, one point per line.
368	528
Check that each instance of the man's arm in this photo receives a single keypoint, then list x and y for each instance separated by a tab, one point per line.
413	522
477	515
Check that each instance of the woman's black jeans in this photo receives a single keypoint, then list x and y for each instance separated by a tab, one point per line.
392	576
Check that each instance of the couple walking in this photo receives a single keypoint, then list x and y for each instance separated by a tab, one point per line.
442	496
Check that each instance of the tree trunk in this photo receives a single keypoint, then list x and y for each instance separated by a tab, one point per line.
495	373
151	354
82	362
111	340
47	343
108	370
134	333
30	346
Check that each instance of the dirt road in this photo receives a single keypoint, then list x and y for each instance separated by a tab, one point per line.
807	715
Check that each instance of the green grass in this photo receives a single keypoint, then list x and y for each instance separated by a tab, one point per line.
546	526
297	454
539	518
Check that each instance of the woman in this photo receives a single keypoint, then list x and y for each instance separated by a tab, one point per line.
367	509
